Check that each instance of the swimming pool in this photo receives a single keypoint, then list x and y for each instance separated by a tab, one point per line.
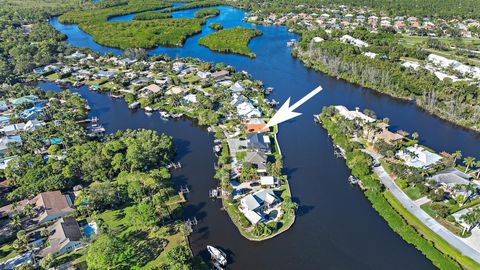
90	229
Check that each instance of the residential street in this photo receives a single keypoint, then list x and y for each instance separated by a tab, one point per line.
423	216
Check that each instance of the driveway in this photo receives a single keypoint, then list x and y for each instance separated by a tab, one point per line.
430	222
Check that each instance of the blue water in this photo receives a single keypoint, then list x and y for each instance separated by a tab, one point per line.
336	227
89	230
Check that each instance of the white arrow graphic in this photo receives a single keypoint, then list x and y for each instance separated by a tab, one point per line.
286	111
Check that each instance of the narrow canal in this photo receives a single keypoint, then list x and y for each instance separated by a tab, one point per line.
336	227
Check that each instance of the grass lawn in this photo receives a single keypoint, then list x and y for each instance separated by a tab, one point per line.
415	41
241	155
174	240
413	192
428	234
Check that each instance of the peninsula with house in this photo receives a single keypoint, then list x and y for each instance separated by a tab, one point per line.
252	187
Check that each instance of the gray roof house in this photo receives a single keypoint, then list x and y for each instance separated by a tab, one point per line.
237	87
258	161
259	141
65	236
451	177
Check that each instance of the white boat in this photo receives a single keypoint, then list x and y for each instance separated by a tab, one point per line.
218	255
164	114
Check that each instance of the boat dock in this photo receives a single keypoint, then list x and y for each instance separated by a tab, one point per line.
174	166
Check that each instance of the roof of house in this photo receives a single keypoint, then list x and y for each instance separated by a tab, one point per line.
252	216
267	180
176	90
254	128
220	73
63	231
237	87
451	176
259	159
417	156
54	202
152	88
258	141
251	202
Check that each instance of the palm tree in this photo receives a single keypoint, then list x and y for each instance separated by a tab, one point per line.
456	155
471	218
15	221
468	161
415	136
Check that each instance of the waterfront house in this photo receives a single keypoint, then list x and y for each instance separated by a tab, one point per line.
451	177
177	67
259	141
258	161
65	236
150	89
75	56
255	125
418	157
385	134
221	74
351	115
254	204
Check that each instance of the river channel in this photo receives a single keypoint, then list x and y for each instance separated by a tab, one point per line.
336	227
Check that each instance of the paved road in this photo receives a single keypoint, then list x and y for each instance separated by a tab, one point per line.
453	240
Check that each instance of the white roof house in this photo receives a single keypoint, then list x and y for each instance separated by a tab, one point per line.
268	181
253	216
317	39
455	65
418	157
246	109
258	199
350	115
354	41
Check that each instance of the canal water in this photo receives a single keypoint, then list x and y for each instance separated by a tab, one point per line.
336	227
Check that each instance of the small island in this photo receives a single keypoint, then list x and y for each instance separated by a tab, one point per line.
147	30
216	26
206	13
232	40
